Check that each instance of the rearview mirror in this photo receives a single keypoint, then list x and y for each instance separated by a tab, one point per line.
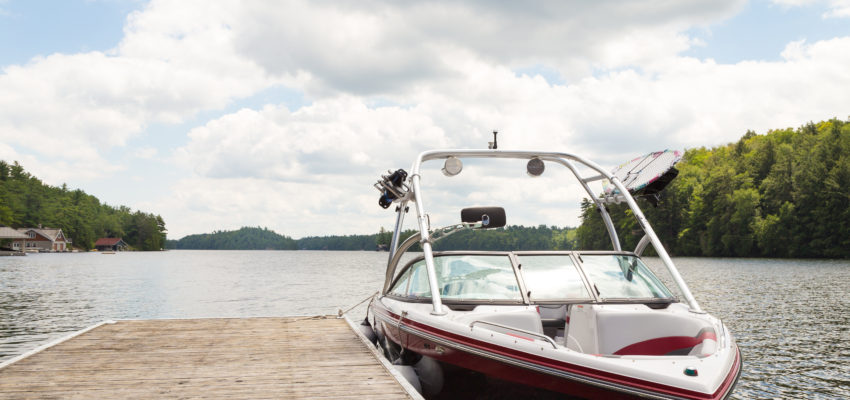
489	217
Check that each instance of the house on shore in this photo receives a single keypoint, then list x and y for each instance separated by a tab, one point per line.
42	240
110	244
18	239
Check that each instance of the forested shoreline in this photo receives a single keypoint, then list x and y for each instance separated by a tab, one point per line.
27	202
782	194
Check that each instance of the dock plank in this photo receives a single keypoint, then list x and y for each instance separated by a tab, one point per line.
258	358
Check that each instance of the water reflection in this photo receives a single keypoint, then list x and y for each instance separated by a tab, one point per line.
789	316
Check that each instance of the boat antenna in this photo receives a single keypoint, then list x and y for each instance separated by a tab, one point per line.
493	145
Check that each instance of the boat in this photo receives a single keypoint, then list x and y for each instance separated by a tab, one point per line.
586	323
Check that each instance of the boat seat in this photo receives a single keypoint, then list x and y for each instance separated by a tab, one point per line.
638	330
553	317
555	321
703	343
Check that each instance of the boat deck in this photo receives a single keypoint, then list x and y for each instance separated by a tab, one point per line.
257	358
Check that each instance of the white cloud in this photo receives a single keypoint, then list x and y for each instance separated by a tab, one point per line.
835	8
838	9
169	66
329	136
180	58
384	47
55	172
145	152
318	162
293	208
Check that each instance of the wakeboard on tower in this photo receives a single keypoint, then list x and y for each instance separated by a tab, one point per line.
645	176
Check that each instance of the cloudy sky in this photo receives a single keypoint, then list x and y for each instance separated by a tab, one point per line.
282	114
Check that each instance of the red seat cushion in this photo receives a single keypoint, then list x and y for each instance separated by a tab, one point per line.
666	346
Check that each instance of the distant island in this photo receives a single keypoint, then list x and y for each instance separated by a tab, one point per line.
242	239
26	202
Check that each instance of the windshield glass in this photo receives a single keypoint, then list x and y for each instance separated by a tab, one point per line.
462	277
552	277
622	277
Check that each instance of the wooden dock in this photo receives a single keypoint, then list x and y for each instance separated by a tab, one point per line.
256	358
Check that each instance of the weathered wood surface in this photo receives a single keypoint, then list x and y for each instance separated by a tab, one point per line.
256	358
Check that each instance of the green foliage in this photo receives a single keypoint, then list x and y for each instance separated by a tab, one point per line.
27	202
243	239
348	242
383	239
782	194
510	238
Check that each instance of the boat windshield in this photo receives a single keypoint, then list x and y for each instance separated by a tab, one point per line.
622	277
552	277
462	277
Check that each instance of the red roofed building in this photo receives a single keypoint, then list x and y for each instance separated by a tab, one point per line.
110	244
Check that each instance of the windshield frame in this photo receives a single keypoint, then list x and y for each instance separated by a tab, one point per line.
625	300
573	257
515	258
449	301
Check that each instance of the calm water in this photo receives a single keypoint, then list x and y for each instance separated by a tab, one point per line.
790	317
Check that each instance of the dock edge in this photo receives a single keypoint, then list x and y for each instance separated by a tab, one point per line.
48	345
380	357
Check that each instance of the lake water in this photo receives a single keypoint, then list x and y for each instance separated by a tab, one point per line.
791	318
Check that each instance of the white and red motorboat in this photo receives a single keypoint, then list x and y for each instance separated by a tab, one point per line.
591	324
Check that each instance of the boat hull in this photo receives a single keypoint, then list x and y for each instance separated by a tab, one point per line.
526	369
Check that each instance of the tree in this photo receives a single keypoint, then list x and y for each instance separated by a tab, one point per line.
783	194
383	238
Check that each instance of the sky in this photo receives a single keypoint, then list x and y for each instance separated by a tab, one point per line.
282	114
